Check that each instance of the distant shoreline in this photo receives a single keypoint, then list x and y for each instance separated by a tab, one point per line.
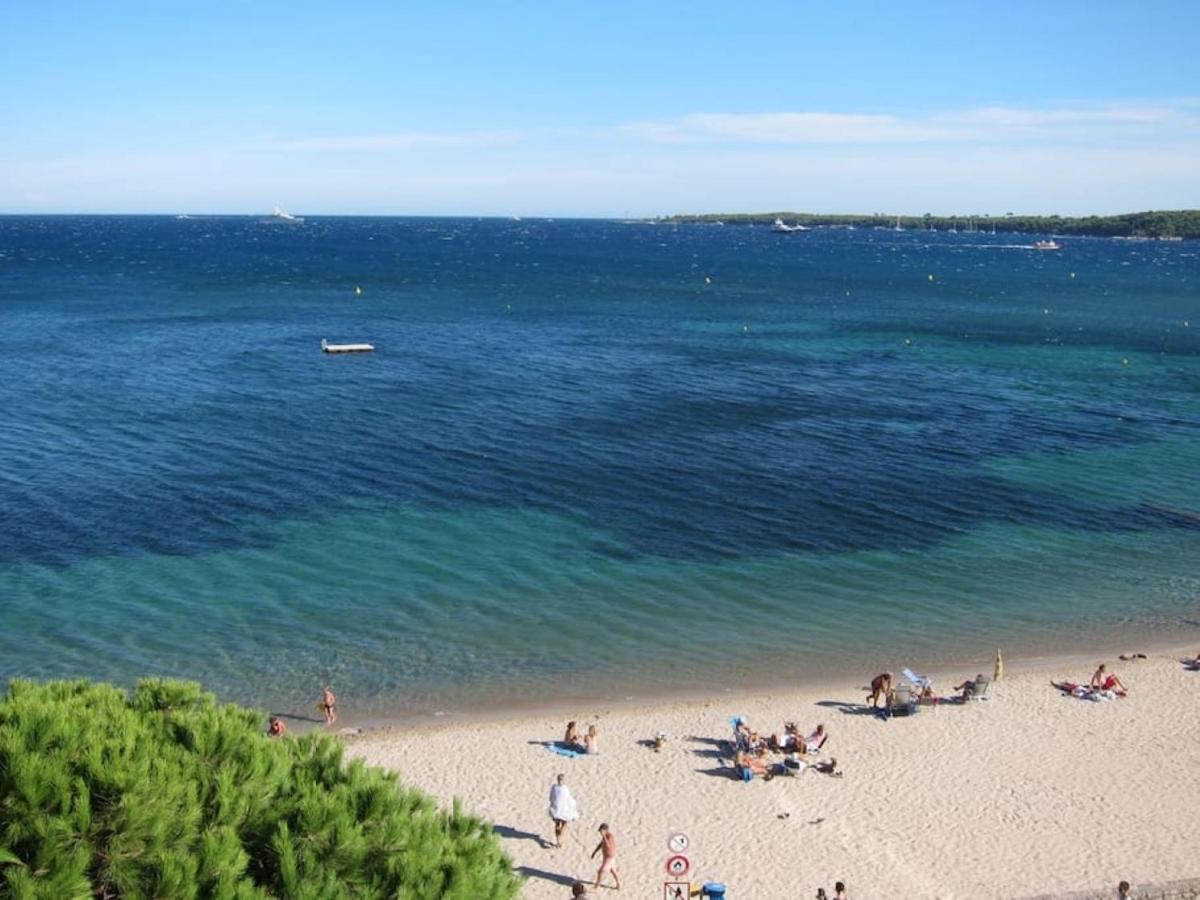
1182	224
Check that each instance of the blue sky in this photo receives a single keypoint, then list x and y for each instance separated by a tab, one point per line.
613	109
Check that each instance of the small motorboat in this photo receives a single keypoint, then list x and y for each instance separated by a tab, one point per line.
1047	245
327	347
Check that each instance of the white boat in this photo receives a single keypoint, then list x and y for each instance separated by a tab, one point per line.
787	229
898	227
279	217
327	347
1047	245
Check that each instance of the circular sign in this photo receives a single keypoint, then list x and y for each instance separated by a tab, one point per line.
678	865
678	842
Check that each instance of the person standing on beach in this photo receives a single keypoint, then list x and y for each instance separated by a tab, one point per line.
562	809
881	686
839	891
608	861
328	701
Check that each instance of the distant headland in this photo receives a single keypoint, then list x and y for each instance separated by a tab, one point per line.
1161	224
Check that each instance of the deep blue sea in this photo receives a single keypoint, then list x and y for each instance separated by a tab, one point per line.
588	458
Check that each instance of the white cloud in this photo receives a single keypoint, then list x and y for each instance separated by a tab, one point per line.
979	124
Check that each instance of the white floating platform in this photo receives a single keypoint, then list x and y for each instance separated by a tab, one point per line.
327	347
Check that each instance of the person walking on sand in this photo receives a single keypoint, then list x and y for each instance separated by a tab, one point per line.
328	702
839	892
608	861
563	809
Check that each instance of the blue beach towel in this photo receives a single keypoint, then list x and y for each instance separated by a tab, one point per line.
561	749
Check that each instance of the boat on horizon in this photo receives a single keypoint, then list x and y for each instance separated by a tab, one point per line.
1047	245
783	228
279	217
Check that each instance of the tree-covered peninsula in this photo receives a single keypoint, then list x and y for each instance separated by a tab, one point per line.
1165	224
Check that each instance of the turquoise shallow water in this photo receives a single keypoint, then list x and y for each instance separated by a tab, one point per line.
574	467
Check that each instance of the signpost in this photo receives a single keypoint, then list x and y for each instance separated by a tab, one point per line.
677	867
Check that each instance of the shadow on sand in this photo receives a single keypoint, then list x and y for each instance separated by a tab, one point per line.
505	831
847	708
531	872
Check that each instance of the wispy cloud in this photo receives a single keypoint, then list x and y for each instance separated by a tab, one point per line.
404	140
978	124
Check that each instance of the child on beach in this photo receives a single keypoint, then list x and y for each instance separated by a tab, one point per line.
328	701
276	728
591	743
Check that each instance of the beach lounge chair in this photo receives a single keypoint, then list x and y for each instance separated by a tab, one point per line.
903	702
922	687
980	689
919	682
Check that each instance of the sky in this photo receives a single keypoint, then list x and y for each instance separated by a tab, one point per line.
615	109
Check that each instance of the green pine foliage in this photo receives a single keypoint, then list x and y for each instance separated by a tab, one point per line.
169	794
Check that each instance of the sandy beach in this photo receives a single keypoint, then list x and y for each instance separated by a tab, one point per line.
1028	793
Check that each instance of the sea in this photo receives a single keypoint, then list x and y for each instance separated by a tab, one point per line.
588	460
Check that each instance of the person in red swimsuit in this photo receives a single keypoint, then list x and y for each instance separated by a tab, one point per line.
1104	680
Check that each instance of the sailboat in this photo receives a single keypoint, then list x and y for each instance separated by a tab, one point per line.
787	229
279	217
897	228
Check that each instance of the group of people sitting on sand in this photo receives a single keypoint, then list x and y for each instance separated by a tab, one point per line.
750	751
587	743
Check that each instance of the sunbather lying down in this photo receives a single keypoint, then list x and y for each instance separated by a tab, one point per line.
1084	692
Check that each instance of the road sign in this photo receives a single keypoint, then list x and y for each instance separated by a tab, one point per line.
678	865
676	890
678	842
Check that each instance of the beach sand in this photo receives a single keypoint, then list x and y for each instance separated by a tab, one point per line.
1028	793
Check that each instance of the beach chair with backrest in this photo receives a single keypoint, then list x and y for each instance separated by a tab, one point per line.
919	685
980	689
903	703
919	682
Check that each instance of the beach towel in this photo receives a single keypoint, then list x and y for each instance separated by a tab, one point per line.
562	749
562	804
1083	692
